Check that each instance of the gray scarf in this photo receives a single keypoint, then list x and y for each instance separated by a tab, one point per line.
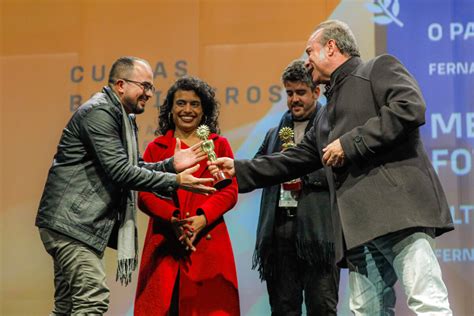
127	247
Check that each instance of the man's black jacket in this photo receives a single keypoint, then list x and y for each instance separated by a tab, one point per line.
87	183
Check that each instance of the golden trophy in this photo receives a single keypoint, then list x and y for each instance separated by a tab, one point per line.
221	178
286	135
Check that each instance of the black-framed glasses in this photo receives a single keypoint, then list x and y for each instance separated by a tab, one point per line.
146	86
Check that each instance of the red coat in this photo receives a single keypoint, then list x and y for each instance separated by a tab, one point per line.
207	277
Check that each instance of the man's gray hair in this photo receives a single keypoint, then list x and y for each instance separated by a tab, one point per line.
341	34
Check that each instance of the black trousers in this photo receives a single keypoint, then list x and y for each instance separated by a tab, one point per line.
294	281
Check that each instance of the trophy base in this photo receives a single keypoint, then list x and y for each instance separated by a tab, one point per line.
294	185
221	180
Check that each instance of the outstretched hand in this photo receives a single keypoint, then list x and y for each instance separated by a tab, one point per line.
225	164
185	158
188	182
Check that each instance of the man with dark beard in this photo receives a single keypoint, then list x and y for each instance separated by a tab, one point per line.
294	250
87	202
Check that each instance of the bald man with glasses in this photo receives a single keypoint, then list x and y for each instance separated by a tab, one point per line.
88	202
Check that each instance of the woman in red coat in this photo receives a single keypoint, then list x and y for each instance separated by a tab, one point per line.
175	278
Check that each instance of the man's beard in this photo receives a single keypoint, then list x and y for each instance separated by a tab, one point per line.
300	119
133	106
303	117
137	109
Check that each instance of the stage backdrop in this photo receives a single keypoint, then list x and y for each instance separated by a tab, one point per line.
56	54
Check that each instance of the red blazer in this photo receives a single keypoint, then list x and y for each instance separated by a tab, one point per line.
207	277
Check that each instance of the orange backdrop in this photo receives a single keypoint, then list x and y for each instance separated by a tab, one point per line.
56	53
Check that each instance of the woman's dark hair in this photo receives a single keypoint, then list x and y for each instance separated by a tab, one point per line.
206	94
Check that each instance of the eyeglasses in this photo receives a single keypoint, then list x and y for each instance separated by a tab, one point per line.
146	86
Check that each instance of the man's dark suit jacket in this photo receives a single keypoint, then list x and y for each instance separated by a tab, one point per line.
387	183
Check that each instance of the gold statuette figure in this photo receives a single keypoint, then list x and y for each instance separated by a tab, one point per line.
286	135
221	178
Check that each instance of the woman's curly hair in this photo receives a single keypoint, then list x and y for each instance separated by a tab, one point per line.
209	103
